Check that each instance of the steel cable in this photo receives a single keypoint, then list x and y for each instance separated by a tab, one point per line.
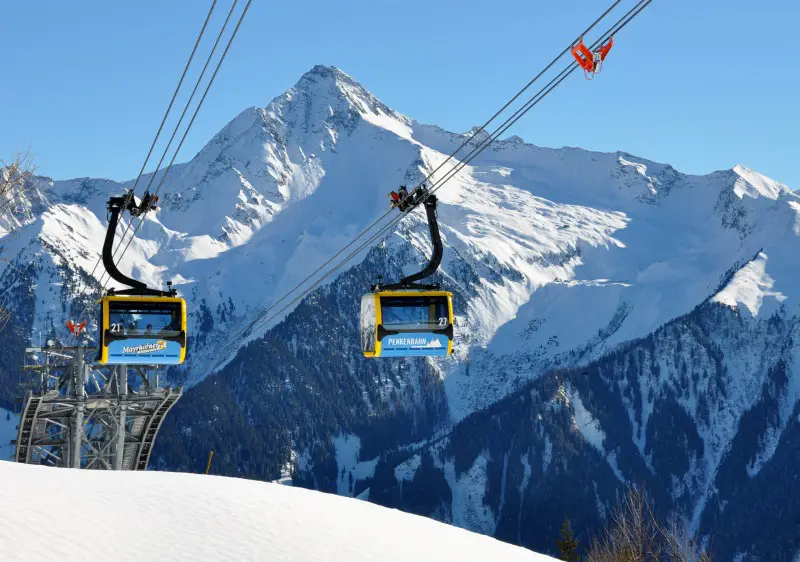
532	102
452	155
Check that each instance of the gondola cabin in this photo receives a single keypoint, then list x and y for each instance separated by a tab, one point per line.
141	330
407	323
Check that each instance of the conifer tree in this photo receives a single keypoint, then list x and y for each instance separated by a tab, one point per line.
567	543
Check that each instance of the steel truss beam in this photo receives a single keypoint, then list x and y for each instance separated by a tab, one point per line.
85	416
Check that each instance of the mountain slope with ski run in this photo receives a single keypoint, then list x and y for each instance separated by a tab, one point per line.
191	517
611	245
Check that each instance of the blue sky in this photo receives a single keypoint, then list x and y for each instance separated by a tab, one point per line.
702	85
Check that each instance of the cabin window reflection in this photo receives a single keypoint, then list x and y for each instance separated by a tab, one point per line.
368	327
144	319
420	313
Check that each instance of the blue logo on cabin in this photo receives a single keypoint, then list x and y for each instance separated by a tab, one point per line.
416	344
144	351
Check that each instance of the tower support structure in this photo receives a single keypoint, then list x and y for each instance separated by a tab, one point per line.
83	416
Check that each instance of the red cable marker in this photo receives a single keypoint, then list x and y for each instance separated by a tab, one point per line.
76	330
591	62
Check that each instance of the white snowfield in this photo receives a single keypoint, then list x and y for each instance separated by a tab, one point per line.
148	516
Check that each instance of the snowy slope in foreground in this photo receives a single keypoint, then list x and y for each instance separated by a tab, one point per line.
192	517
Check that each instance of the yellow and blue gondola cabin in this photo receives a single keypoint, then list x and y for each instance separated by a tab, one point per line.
141	330
407	324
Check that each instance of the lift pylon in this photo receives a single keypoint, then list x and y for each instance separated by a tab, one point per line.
83	416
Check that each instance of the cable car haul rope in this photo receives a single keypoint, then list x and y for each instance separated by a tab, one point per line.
141	325
478	147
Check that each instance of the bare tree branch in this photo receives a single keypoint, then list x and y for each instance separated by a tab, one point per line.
16	178
636	535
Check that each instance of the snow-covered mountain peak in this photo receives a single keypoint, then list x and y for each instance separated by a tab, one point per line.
327	100
266	159
557	257
329	85
535	237
481	135
753	184
750	286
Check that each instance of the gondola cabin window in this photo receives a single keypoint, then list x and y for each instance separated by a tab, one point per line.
412	313
144	319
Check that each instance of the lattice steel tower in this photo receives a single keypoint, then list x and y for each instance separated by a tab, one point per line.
84	416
